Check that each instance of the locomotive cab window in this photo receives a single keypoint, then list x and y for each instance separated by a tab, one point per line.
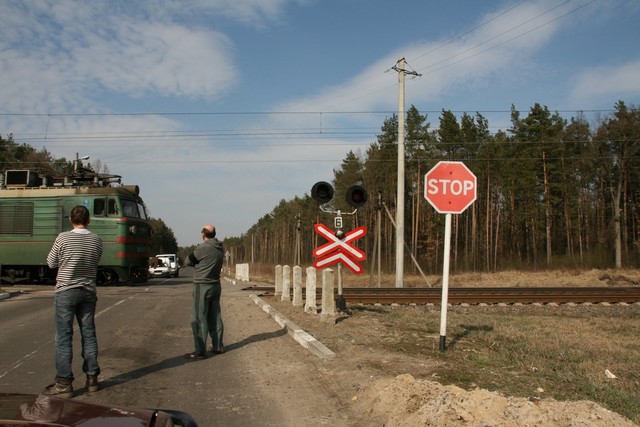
130	209
143	213
99	207
113	207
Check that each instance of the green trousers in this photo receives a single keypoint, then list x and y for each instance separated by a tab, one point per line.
206	317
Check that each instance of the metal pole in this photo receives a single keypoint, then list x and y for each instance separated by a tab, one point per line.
376	244
296	256
400	189
445	282
379	237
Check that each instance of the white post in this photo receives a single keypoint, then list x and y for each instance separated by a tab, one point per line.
286	283
278	290
328	312
297	286
445	281
310	297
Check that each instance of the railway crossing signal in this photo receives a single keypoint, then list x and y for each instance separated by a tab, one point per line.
322	192
356	196
339	249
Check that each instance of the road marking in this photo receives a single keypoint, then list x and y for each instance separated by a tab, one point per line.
20	361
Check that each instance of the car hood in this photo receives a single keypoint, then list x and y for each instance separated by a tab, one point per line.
40	410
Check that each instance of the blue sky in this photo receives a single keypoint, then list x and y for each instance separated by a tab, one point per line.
219	109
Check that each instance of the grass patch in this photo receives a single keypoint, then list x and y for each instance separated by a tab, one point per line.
559	352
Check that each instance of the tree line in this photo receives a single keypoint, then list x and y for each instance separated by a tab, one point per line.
552	193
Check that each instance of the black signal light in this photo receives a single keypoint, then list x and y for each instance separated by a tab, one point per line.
356	196
322	192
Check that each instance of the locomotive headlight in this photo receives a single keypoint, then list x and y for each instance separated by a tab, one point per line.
133	229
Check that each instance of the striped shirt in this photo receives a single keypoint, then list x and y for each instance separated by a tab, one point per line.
76	254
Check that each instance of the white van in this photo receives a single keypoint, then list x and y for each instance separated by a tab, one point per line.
170	265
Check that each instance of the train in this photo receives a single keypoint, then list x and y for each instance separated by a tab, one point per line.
34	209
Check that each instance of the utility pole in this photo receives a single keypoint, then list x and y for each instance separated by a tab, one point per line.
400	189
298	249
399	67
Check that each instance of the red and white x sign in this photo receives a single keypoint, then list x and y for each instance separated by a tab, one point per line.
339	250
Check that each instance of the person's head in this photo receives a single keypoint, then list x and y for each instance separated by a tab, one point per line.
79	216
208	232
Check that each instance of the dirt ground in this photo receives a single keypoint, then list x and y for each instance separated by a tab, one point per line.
389	388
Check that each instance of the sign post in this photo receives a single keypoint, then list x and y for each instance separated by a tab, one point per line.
450	187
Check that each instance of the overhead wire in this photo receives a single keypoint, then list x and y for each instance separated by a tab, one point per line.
218	135
468	32
502	43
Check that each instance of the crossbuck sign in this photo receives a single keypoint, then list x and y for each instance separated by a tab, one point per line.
339	250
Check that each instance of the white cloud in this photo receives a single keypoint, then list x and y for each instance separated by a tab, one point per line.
158	58
54	52
480	58
606	84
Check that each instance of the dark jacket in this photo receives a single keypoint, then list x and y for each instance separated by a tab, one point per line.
207	261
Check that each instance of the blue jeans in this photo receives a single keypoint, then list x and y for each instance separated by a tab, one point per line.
80	304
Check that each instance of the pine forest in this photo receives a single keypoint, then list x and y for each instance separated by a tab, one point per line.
551	193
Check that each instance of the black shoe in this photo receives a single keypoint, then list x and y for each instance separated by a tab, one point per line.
216	351
92	383
194	356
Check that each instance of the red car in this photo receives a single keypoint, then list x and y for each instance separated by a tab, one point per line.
39	410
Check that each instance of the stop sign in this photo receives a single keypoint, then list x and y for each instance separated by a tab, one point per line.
450	187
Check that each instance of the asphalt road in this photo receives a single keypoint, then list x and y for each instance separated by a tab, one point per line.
265	378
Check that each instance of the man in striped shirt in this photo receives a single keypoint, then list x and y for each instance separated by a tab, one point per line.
75	254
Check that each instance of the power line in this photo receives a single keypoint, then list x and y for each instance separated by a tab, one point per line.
468	32
266	113
504	42
480	43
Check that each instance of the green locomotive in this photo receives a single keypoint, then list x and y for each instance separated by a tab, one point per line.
34	210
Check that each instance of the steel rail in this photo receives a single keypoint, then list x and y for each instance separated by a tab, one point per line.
484	295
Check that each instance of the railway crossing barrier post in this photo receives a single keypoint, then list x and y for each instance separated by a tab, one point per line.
328	312
286	283
297	286
278	289
310	300
242	272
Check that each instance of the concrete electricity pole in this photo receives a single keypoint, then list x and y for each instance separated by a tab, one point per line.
400	190
399	67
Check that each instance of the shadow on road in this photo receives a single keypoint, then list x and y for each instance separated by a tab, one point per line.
256	338
176	361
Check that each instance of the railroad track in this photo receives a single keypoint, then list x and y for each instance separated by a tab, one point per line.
486	295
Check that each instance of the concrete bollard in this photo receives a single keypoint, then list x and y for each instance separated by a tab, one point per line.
328	313
297	286
310	284
286	283
242	272
278	290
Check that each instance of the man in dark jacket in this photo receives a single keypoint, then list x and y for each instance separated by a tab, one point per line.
206	317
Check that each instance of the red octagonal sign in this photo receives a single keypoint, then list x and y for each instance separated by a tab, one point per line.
450	187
